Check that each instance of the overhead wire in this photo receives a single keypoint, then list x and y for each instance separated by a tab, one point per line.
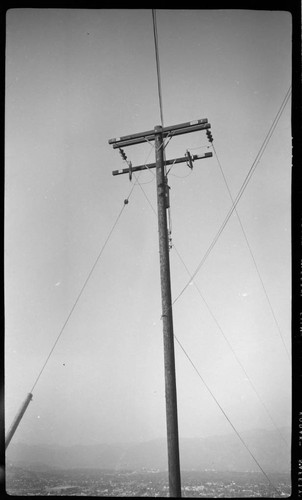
88	277
200	147
157	66
221	330
171	166
104	246
162	122
231	348
161	112
181	176
83	287
206	385
251	253
164	144
240	193
226	416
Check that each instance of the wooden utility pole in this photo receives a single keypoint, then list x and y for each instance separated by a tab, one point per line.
17	420
167	318
158	135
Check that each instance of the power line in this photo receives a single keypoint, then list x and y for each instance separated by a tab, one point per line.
241	191
88	277
220	328
226	416
251	253
181	176
29	397
157	66
231	348
83	288
256	161
209	390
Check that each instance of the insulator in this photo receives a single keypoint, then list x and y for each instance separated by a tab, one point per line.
122	153
130	171
190	160
209	135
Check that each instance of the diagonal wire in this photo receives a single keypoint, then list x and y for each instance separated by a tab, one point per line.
83	288
231	348
226	416
241	191
251	253
161	114
164	144
220	328
88	276
202	379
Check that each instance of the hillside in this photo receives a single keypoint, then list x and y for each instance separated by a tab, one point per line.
217	453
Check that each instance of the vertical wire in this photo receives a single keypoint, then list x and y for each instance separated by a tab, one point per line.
157	66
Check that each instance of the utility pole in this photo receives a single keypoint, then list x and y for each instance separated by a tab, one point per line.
167	318
17	420
158	135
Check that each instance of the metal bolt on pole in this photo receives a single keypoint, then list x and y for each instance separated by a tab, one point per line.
167	318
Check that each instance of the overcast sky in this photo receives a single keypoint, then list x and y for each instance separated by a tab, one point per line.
74	79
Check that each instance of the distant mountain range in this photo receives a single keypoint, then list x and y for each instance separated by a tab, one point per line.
220	453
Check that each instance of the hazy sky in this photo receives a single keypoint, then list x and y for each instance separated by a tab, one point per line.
74	79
